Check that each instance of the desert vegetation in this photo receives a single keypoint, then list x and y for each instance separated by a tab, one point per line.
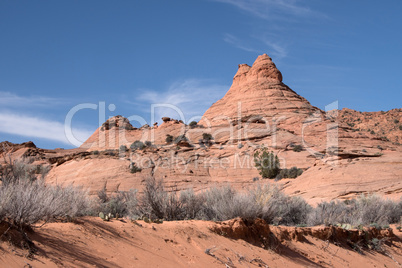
26	200
263	200
268	165
192	124
137	145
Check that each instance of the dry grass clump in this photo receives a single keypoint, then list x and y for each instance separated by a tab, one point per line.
364	210
24	202
223	203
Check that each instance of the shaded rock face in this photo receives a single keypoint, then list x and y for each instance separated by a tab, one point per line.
257	91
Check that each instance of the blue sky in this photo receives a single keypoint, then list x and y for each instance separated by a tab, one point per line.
55	55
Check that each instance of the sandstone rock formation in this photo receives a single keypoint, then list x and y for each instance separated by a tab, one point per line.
257	94
338	160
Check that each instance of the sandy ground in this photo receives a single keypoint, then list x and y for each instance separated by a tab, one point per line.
91	242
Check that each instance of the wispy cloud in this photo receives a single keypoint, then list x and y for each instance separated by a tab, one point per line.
267	45
184	99
273	9
284	16
13	100
231	39
28	116
35	127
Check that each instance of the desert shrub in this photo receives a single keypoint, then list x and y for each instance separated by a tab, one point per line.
120	204
290	173
396	121
134	168
96	152
154	198
192	204
297	148
384	138
24	202
169	139
379	147
374	209
261	201
267	163
400	127
327	213
296	211
207	136
102	194
180	138
123	148
137	145
372	132
110	152
148	144
158	203
15	170
225	203
364	210
206	140
278	208
193	124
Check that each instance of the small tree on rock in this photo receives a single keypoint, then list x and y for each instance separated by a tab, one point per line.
267	163
193	124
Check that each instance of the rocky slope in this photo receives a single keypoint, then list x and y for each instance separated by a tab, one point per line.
382	125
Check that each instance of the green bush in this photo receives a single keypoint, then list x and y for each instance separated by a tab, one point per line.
297	148
148	144
267	163
134	168
290	173
207	136
193	124
110	152
206	140
137	145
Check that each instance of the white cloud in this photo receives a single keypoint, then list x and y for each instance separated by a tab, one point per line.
268	46
12	100
273	9
29	126
185	99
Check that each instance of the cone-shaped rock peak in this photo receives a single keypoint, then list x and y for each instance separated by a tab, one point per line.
257	91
